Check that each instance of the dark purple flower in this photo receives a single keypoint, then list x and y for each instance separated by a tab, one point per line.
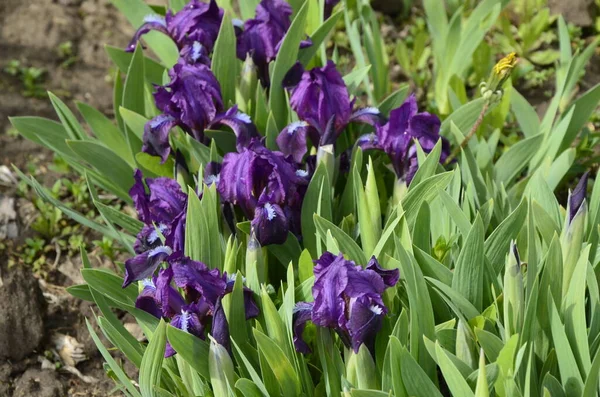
158	296
255	171
198	280
261	37
348	299
270	225
196	22
320	98
301	315
192	98
578	197
292	140
240	123
220	327
145	264
397	138
191	319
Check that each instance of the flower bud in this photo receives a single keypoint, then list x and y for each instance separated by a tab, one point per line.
573	231
255	264
514	299
248	80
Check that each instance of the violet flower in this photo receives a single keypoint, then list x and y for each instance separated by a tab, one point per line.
197	22
266	185
320	98
192	101
397	138
261	37
348	299
163	213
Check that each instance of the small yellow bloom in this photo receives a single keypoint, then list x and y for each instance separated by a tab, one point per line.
506	64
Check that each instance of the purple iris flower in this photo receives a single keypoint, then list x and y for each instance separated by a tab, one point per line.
197	22
266	185
320	98
163	213
158	297
261	37
192	318
348	299
578	197
397	138
192	101
292	140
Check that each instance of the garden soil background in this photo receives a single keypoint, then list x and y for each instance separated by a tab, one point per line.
34	310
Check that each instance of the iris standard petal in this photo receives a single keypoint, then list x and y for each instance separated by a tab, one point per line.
144	265
292	140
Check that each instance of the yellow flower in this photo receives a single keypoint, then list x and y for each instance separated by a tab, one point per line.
506	65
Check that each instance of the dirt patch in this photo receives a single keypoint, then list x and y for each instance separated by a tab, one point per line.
64	39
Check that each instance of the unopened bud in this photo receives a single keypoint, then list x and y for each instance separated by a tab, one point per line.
514	298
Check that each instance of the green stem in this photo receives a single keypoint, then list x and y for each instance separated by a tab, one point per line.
478	122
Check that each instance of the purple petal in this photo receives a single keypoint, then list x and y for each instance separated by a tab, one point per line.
146	301
251	309
292	140
368	142
140	198
167	201
390	277
194	53
330	283
578	196
365	321
370	115
302	313
193	275
270	224
156	136
240	123
151	22
197	21
220	327
143	265
236	181
168	297
212	173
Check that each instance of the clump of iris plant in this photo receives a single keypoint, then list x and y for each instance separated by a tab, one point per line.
348	299
199	306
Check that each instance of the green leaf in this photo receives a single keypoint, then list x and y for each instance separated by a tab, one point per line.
288	251
512	162
154	71
153	164
317	197
133	91
287	56
135	122
247	8
347	245
428	168
424	191
116	368
318	37
106	132
248	388
353	79
107	162
68	119
569	373
136	11
81	291
497	244
191	348
224	60
44	132
150	369
110	285
525	113
468	271
456	383
280	365
415	380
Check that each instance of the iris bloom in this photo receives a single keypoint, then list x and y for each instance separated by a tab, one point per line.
194	29
320	98
261	37
397	138
268	188
163	212
348	299
192	101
